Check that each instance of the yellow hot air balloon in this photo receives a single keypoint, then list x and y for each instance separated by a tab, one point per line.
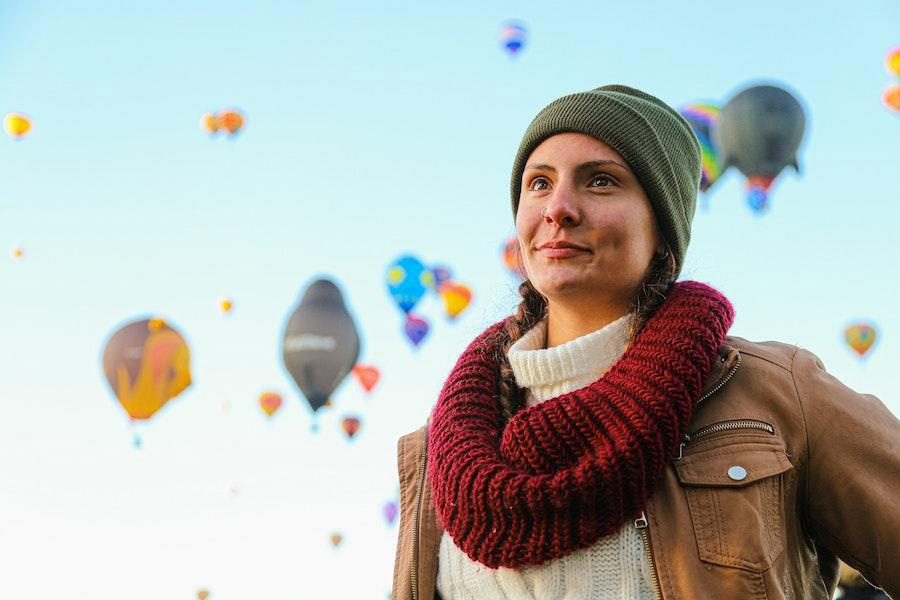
226	305
231	120
146	363
16	253
210	123
892	61
456	297
16	125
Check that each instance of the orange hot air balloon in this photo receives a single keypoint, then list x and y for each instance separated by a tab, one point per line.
892	61
367	375
16	253
891	97
203	594
226	305
861	337
456	297
146	363
16	125
270	402
231	120
350	425
210	123
512	259
336	539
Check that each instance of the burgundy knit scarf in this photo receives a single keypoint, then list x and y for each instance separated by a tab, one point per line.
564	473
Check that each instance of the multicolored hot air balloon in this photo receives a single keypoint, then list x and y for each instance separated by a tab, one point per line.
350	425
861	337
367	375
512	258
320	343
16	125
270	402
231	120
891	97
456	297
759	132
146	363
210	123
513	35
415	329
892	62
391	510
408	280
702	118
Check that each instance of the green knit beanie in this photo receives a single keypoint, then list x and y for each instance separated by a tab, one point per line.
655	141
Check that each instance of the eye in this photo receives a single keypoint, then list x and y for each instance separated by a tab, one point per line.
602	180
539	183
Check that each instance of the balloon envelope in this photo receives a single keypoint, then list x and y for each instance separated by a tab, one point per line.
891	97
210	123
391	510
513	36
367	375
456	297
336	539
759	131
512	258
351	426
16	125
231	120
270	402
408	281
320	343
702	117
415	329
146	363
861	337
892	61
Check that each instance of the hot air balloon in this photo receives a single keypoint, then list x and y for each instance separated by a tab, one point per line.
702	118
513	36
408	281
16	253
320	344
861	337
456	297
210	123
390	512
336	539
231	120
146	363
226	305
202	594
440	274
16	125
759	132
512	259
367	375
270	402
350	425
415	329
891	97
892	61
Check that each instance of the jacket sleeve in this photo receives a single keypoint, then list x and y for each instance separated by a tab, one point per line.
853	473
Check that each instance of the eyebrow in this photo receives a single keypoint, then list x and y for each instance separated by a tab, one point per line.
582	167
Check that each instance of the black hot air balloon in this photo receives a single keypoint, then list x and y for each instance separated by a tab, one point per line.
759	132
320	344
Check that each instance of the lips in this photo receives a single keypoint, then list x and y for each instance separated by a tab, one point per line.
561	249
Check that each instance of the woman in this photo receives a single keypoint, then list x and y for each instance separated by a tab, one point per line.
610	440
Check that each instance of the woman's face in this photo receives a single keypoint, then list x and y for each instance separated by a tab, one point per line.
585	226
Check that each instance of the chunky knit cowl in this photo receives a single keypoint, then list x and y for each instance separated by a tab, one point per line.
564	473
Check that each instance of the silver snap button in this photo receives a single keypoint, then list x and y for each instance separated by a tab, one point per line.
737	473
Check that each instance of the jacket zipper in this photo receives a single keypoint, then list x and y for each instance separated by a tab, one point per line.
719	427
686	438
414	567
641	524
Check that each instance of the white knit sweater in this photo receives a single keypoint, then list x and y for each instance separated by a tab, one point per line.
616	566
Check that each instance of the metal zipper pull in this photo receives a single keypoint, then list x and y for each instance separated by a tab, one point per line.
684	440
641	522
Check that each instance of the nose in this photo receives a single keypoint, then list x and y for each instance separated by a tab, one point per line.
562	208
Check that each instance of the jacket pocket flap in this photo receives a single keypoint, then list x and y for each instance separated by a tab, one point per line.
734	465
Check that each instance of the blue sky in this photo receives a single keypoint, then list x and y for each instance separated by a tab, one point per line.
372	130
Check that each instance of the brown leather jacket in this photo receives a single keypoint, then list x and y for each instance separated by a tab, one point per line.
784	470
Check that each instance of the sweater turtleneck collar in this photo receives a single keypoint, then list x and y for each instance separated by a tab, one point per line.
550	372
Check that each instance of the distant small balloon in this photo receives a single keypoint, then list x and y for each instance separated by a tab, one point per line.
702	118
16	253
416	329
408	280
336	539
390	512
892	61
367	375
203	594
270	402
231	121
210	123
891	97
351	426
440	275
513	35
226	305
512	258
456	297
861	337
16	125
